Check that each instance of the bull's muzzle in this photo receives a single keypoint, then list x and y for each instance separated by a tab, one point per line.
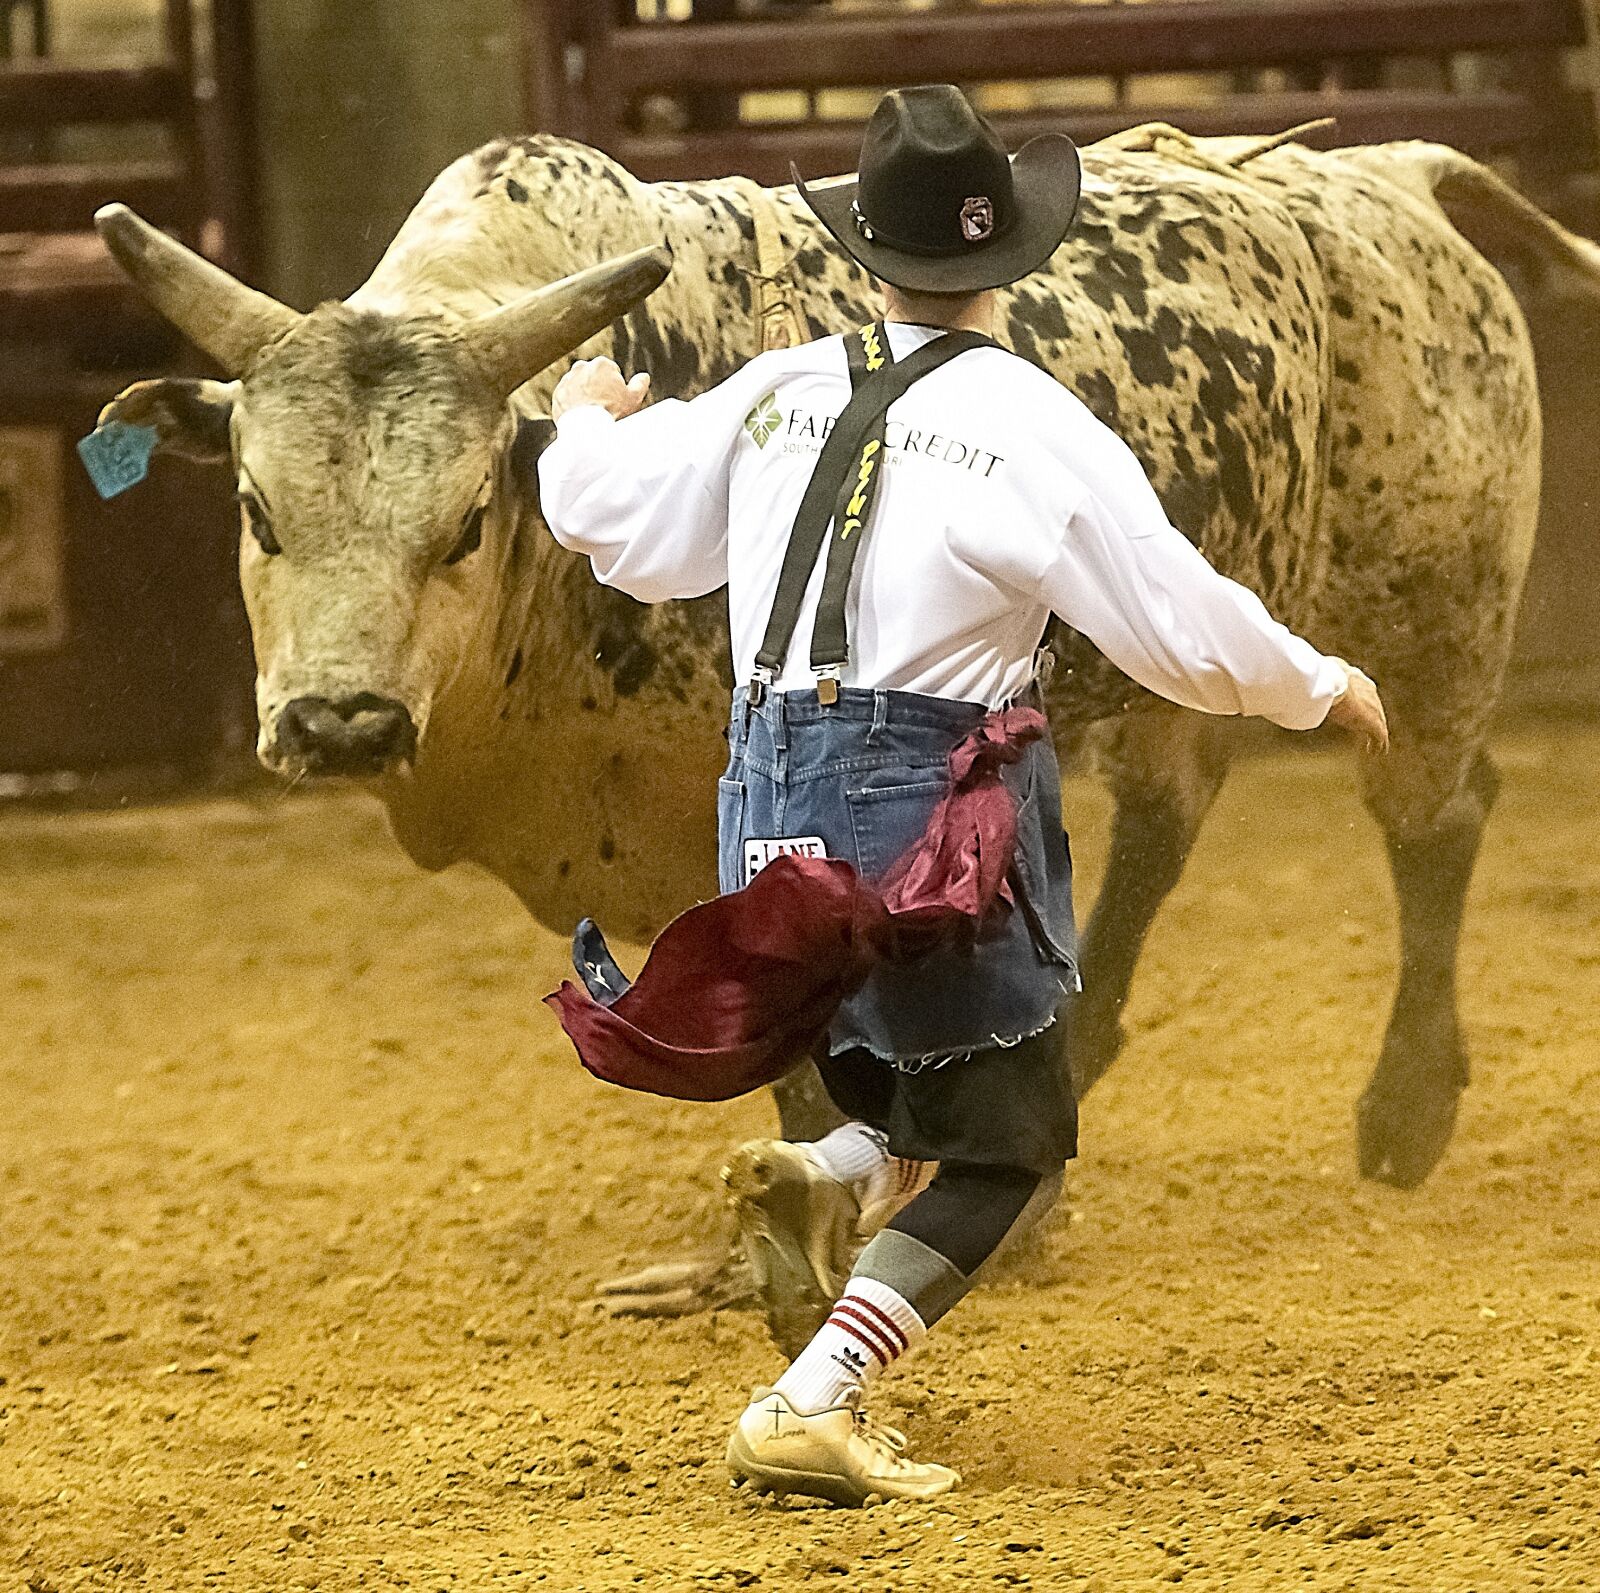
361	735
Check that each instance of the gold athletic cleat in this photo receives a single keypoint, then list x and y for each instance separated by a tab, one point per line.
798	1226
841	1455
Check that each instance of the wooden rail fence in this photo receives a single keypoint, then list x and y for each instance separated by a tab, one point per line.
594	71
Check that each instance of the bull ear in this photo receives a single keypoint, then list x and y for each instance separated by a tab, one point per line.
191	418
512	345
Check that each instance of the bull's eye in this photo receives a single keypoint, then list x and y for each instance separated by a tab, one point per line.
471	538
257	524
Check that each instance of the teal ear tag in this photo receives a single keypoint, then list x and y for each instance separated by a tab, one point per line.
117	456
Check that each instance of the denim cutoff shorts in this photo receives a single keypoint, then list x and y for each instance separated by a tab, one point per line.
864	775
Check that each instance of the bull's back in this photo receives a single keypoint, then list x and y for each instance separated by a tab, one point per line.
1433	473
1187	311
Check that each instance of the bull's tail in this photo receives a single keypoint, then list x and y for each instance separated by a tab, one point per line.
1493	216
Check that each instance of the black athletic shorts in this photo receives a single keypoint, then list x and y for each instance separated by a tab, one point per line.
1011	1106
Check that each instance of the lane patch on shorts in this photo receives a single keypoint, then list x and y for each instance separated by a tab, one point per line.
758	852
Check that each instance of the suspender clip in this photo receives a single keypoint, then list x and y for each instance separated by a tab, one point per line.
828	685
760	684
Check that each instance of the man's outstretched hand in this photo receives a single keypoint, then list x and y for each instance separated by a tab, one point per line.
1360	711
600	382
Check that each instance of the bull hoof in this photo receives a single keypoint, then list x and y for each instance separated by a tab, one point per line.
1402	1134
682	1288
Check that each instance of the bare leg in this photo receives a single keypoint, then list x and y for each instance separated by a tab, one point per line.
1408	1112
1165	766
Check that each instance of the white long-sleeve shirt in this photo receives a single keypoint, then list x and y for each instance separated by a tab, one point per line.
1002	499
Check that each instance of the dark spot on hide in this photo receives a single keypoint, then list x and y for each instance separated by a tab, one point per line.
1147	358
673	361
1266	260
492	157
1115	276
380	349
811	262
745	224
1191	496
1044	313
737	279
1342	307
1139	217
533	435
588	703
564	867
608	848
1347	370
1352	435
516	192
1149	349
515	669
1235	475
622	346
1265	543
1173	253
1099	392
620	648
850	305
1023	341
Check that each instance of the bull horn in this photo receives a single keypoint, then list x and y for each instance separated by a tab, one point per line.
216	312
514	343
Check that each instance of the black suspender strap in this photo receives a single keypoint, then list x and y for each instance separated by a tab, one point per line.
867	353
841	494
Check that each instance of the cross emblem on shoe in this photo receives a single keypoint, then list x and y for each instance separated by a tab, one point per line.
776	1408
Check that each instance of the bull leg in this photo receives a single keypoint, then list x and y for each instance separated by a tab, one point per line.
1408	1111
719	1279
1164	768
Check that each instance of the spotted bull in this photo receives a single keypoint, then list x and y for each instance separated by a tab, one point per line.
1331	389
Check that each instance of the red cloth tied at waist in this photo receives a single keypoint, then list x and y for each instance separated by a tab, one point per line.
737	990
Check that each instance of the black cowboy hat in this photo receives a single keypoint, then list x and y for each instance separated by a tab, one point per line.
938	207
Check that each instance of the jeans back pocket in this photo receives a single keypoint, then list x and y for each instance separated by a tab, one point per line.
888	820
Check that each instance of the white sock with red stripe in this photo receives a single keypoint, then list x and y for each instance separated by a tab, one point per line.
853	1153
858	1156
871	1327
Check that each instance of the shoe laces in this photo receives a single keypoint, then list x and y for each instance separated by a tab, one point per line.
876	1432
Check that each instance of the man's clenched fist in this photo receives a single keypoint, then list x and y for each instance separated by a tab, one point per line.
1360	711
600	382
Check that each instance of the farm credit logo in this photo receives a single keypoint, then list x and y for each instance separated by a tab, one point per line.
764	420
804	432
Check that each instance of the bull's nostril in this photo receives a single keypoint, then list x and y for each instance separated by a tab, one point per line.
307	723
362	734
385	731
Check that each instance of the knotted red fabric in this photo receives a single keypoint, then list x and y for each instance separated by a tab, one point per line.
736	991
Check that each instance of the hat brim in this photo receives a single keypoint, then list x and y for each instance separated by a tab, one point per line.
1047	177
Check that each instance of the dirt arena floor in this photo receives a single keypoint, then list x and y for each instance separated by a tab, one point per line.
303	1199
